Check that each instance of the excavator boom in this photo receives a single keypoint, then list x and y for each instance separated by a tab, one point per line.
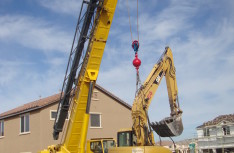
170	126
140	137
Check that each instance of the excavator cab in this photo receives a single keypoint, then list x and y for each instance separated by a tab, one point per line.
168	127
100	145
125	138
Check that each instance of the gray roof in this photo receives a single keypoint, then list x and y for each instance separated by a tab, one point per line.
215	121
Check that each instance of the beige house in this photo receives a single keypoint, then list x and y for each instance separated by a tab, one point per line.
28	128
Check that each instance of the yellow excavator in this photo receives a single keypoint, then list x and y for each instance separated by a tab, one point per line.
93	26
140	137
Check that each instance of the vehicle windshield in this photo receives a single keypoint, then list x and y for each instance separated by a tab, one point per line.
108	144
124	139
96	147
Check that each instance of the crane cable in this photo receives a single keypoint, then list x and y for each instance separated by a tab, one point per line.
130	22
137	23
138	83
137	63
135	46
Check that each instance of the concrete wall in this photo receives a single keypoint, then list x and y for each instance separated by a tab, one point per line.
113	117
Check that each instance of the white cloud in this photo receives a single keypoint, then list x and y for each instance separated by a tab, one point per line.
20	84
33	33
70	7
203	57
7	73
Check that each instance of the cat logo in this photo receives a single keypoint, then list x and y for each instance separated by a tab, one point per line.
158	78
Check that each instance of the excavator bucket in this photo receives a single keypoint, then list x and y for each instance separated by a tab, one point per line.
168	127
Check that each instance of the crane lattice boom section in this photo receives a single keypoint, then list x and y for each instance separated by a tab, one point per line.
82	71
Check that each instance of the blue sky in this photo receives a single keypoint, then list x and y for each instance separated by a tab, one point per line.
36	37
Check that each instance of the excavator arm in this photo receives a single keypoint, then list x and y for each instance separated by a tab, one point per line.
171	126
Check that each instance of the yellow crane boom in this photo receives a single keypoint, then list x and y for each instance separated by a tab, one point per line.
77	128
75	137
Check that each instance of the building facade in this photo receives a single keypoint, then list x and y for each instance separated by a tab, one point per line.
28	128
183	146
217	135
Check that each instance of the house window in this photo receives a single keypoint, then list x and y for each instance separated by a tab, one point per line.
95	95
206	132
24	123
226	130
1	128
53	114
95	120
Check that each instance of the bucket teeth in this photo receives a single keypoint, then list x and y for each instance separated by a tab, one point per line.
168	127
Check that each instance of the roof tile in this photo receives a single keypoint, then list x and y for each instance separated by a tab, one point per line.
38	103
215	121
50	100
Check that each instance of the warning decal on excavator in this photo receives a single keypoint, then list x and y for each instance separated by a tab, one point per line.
149	95
137	150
